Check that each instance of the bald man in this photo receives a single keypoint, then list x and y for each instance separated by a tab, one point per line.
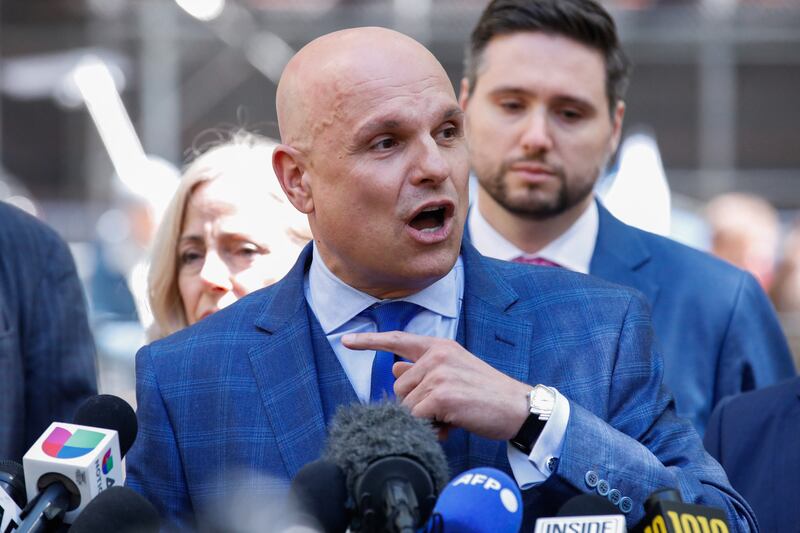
544	373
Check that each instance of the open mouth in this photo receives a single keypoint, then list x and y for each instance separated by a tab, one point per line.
432	223
429	219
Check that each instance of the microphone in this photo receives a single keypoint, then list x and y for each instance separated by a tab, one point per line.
665	512
320	492
481	500
393	464
70	464
12	497
119	509
584	513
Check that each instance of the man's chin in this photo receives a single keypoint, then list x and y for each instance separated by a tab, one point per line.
535	210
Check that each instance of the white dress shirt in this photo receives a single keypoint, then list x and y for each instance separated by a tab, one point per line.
572	250
340	310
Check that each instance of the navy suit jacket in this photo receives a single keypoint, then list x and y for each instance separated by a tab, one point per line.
756	438
47	356
715	328
241	390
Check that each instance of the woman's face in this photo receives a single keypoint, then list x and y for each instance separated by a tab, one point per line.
233	241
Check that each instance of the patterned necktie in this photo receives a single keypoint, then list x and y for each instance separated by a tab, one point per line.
391	316
541	261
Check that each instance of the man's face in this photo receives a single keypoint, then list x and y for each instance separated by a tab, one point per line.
388	169
538	123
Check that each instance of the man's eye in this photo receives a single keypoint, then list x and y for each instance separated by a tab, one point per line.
385	144
571	114
511	105
450	132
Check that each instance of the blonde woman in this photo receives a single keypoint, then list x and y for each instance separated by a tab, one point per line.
228	231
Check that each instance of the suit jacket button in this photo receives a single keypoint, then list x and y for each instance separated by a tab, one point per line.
614	496
625	504
603	487
591	478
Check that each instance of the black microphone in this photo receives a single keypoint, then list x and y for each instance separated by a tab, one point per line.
588	505
585	512
110	412
393	464
70	464
320	492
118	509
12	495
665	512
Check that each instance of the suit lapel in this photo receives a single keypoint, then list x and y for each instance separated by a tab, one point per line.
284	369
494	334
620	253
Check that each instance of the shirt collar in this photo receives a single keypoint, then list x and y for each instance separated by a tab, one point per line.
335	303
573	249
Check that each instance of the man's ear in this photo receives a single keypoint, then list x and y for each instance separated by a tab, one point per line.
463	95
616	125
289	167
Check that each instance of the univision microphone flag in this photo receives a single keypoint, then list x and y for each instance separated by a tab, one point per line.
85	459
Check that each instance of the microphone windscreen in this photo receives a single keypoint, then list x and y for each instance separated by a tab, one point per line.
361	434
481	500
119	509
12	480
588	505
319	491
109	412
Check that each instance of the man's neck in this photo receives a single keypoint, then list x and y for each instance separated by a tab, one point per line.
527	234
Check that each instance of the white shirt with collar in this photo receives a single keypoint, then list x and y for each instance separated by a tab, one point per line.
339	309
572	250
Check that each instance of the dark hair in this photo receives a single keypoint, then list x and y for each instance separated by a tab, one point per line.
585	21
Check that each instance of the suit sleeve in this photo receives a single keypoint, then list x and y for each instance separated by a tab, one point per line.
59	352
644	446
155	468
754	351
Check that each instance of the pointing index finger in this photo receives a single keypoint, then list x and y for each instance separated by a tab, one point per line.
407	345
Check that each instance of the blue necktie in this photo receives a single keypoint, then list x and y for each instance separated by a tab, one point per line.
391	316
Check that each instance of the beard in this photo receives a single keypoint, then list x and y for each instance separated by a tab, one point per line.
538	204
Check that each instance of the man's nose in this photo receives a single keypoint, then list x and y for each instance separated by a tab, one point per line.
215	272
432	166
536	137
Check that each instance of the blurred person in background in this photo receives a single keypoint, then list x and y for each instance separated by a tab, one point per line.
785	290
745	231
543	95
228	231
47	355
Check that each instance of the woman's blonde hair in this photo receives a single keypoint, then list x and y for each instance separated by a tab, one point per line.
243	152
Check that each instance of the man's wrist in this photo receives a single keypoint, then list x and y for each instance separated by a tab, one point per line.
541	402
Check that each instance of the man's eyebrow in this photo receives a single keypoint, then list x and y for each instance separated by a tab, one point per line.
519	91
368	129
453	112
388	124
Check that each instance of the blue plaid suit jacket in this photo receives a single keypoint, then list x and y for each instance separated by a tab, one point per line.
47	355
239	390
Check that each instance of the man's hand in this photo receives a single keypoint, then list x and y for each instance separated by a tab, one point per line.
449	385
